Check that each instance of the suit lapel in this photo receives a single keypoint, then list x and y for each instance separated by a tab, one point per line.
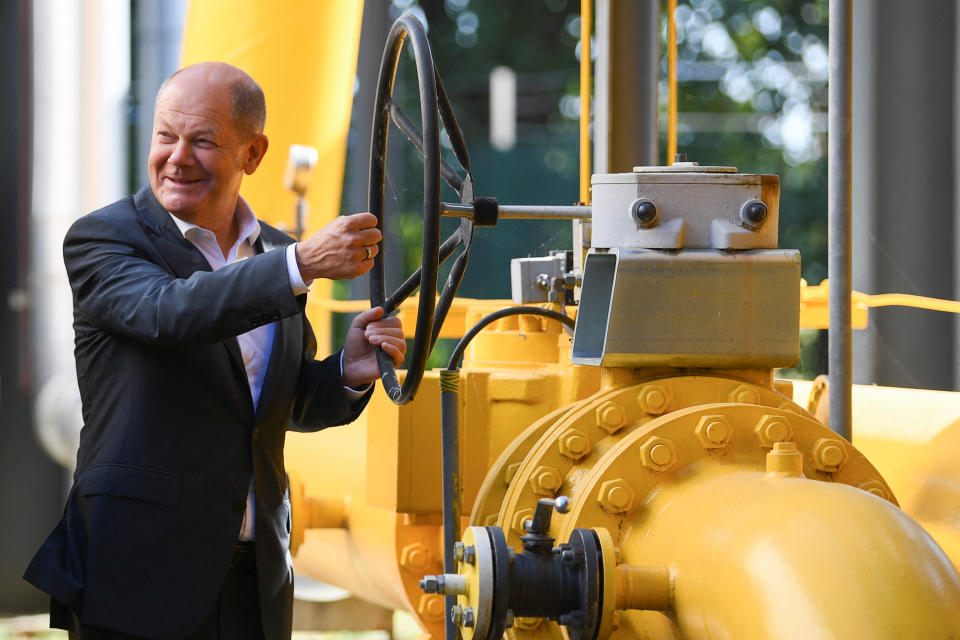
283	334
182	258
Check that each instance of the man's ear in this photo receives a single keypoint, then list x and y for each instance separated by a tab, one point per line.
256	149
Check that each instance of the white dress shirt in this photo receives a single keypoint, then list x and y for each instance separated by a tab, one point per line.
255	345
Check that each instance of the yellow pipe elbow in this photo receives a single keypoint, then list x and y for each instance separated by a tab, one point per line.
755	556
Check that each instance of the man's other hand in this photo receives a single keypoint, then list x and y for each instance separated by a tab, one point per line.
368	331
343	249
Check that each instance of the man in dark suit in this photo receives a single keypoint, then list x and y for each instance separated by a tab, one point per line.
194	357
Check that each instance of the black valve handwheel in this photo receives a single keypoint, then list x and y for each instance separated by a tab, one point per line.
434	106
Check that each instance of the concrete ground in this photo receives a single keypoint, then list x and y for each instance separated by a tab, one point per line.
35	627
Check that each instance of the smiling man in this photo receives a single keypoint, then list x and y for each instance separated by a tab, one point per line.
194	357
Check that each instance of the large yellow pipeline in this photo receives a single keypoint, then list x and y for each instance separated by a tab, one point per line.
911	436
754	556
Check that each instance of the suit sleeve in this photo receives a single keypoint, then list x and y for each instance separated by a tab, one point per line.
120	285
321	399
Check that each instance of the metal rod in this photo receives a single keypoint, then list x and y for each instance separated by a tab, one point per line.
522	212
839	216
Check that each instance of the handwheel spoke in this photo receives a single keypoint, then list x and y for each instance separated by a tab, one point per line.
410	285
410	130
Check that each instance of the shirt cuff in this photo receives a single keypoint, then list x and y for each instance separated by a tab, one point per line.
293	271
353	394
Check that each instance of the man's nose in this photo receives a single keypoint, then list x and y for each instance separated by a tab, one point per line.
181	154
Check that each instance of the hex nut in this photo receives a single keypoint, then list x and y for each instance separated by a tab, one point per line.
430	606
508	619
714	431
573	444
658	454
521	516
510	472
772	428
527	624
829	455
745	394
456	614
545	481
429	584
611	417
653	399
415	557
876	488
616	496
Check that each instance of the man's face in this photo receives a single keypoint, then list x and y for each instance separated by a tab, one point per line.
197	157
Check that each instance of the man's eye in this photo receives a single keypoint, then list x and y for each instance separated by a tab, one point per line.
203	142
165	136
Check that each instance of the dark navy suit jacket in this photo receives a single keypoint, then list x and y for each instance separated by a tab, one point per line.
170	437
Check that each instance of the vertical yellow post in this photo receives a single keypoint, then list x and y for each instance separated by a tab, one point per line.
304	55
586	28
671	80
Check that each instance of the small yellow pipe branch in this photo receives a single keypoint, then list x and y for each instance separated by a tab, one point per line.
671	80
586	28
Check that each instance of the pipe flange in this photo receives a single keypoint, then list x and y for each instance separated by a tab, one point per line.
481	586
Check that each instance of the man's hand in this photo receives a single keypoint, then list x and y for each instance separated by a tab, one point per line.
343	249
368	331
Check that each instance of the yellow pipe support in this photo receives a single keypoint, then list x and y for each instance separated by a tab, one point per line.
761	557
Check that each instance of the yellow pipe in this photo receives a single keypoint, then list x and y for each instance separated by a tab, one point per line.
586	28
671	80
767	557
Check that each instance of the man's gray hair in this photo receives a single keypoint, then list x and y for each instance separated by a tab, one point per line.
248	105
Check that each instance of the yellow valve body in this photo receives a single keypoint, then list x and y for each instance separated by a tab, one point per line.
679	473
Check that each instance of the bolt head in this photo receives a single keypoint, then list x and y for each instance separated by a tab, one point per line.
519	517
645	213
714	431
771	429
573	444
658	454
545	481
430	606
468	617
829	455
753	214
653	399
458	548
876	488
611	417
745	394
615	496
456	614
415	557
